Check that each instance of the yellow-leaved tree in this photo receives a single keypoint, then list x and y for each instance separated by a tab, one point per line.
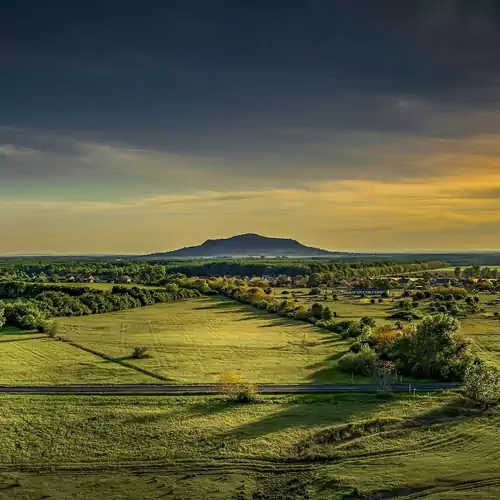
233	385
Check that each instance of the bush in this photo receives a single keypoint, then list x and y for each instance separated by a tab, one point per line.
317	310
372	301
247	394
355	347
233	385
406	315
326	313
301	314
368	321
140	352
482	384
285	292
315	291
385	295
362	363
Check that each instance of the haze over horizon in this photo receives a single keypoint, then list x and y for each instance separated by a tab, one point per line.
139	127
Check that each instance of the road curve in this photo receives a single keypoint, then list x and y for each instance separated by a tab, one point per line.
213	389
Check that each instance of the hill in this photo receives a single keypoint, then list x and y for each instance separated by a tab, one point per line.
246	245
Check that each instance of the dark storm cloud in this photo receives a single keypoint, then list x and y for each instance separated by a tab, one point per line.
246	80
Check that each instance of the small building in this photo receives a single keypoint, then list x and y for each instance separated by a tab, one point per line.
442	281
366	291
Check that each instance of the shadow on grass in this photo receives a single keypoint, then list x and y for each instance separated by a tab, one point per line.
10	330
117	359
6	341
308	412
212	408
217	305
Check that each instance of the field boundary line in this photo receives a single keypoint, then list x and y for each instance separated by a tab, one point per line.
114	360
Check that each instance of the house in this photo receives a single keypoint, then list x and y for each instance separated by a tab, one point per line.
366	291
89	279
441	281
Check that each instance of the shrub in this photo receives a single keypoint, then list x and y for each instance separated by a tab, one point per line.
380	300
285	292
140	352
315	291
372	301
49	327
482	384
406	315
355	347
317	310
233	385
368	321
326	313
385	295
302	314
362	363
247	394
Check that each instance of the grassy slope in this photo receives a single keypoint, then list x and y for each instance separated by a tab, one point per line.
34	359
484	329
194	341
203	447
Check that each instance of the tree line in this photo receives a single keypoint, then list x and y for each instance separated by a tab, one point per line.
37	304
155	273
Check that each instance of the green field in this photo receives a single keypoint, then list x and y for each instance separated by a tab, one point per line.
482	328
34	359
321	447
195	341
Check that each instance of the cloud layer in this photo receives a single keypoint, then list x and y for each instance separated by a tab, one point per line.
348	125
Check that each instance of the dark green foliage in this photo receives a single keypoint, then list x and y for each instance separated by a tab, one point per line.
24	314
326	313
406	315
355	347
482	384
30	314
316	310
368	321
140	352
363	362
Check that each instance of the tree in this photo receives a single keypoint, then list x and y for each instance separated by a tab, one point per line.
233	385
314	280
384	373
482	384
2	318
438	348
326	313
140	352
368	321
316	310
458	272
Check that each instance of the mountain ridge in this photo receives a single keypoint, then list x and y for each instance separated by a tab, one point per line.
246	245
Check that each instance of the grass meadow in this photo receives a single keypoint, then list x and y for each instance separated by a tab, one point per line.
321	447
482	328
34	359
195	341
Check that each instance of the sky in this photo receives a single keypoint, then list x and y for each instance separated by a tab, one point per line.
144	126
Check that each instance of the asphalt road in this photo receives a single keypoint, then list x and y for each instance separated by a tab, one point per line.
211	388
